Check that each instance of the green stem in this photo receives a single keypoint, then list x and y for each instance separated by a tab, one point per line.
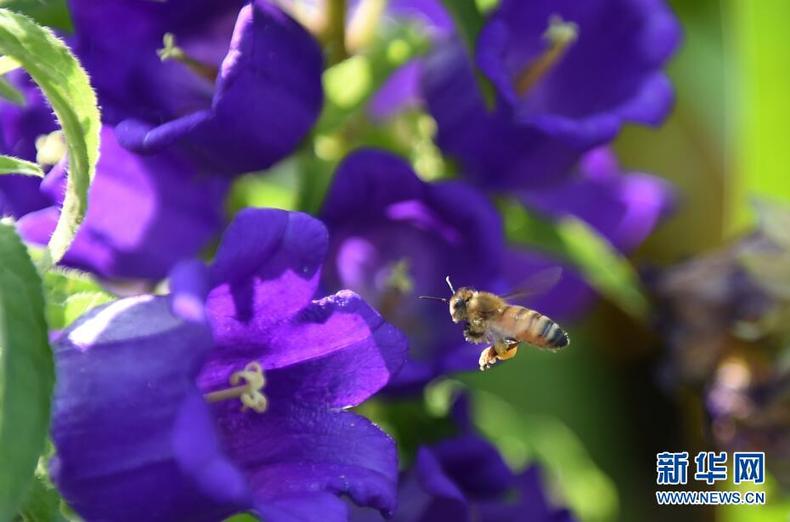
335	31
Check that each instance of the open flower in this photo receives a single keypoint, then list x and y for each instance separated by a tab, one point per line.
145	213
238	84
166	410
566	76
394	237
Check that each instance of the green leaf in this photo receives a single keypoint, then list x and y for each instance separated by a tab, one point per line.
71	293
12	165
65	84
52	13
468	19
603	267
26	371
43	502
576	242
11	93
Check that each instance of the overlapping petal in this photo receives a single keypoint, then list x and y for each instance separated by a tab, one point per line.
394	237
318	356
134	438
611	74
623	207
145	213
267	96
494	151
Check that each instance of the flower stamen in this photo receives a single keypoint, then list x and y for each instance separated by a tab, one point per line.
246	385
171	51
559	35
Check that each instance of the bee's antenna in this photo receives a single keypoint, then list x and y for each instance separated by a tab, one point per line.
449	284
442	299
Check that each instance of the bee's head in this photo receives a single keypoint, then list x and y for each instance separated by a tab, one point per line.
458	303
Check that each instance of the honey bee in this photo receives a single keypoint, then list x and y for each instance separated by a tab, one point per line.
489	318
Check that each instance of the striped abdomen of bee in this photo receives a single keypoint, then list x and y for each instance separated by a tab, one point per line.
529	326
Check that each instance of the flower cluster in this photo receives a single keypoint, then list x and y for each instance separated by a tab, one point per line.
232	392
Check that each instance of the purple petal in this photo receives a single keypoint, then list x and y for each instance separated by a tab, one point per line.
189	286
268	95
399	92
145	213
620	45
475	466
19	128
335	353
303	507
294	449
495	150
623	207
130	79
266	270
132	433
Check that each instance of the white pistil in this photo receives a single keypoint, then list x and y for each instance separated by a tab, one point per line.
559	36
246	385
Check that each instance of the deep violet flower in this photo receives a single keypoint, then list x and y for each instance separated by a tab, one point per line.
19	128
145	213
566	76
464	479
394	237
243	90
136	437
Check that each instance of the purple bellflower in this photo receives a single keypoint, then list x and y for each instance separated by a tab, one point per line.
19	128
166	409
236	84
145	213
394	237
464	479
565	75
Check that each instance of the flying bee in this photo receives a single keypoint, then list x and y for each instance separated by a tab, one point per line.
489	318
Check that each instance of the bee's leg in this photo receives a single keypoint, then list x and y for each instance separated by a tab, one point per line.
487	358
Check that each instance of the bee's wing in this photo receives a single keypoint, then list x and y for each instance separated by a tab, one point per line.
538	283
